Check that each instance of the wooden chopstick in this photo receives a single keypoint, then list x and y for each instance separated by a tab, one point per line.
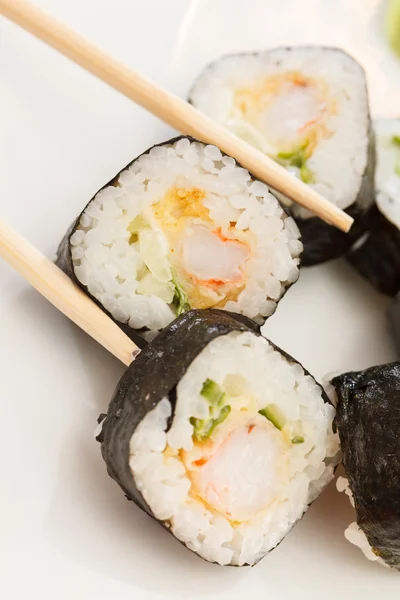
169	108
56	287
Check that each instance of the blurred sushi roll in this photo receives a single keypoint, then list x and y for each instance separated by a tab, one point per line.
394	319
368	423
182	226
392	25
307	108
220	436
377	257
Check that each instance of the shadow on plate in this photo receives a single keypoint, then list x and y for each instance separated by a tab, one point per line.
87	359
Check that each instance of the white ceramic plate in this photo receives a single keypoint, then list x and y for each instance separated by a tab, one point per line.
66	530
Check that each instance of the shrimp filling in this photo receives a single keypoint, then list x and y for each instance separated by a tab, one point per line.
212	259
249	446
240	476
288	111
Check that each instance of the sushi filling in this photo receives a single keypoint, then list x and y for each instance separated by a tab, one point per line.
285	116
387	175
249	447
305	107
354	534
185	227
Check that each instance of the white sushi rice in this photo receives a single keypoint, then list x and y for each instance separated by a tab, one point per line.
387	175
339	161
354	534
113	269
266	482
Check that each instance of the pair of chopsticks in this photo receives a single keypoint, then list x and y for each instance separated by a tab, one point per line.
40	272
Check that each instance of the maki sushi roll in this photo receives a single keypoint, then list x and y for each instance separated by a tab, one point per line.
368	423
220	436
377	257
307	108
182	226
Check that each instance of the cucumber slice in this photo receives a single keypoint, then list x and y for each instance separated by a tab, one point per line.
298	439
212	392
180	299
273	414
202	429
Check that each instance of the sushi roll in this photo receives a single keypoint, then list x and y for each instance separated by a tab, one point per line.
368	423
307	108
182	226
220	436
377	257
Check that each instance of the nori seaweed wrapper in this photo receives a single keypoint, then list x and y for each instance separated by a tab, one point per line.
394	320
323	242
378	257
153	375
64	258
368	422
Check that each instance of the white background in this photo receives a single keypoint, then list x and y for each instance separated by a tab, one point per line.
66	530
